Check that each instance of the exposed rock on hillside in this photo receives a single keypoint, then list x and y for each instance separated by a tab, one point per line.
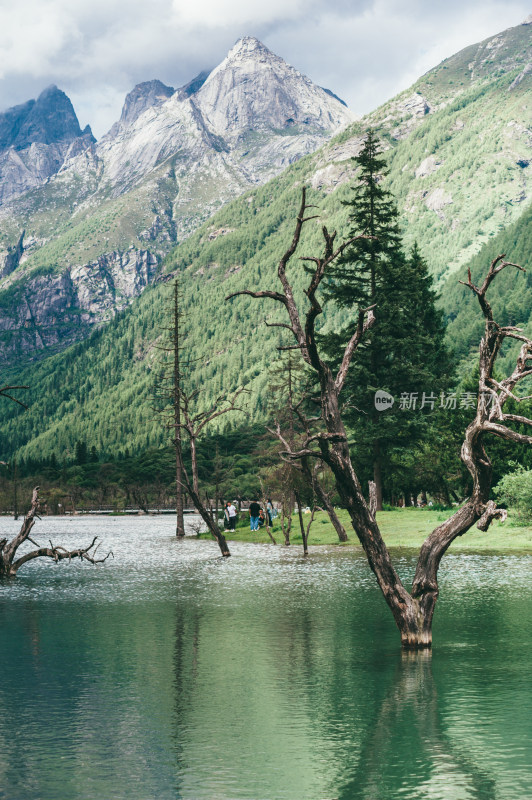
438	199
10	258
53	311
427	167
520	78
405	113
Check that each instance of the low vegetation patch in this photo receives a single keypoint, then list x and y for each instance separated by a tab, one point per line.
403	527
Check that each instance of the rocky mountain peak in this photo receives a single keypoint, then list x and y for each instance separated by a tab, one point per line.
246	46
194	85
143	96
254	89
47	120
246	53
36	139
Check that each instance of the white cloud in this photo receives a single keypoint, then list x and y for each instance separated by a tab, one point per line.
31	36
365	50
368	57
212	13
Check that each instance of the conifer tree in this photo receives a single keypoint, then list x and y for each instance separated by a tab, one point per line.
81	455
404	353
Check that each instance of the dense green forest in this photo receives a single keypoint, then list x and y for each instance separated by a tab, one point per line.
230	465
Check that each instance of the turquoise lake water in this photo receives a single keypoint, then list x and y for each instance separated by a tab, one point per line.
172	673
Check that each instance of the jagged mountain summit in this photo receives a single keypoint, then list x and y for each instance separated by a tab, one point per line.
251	116
47	120
253	89
36	139
142	97
100	217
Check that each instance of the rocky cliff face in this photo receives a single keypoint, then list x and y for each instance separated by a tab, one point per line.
52	311
152	137
10	258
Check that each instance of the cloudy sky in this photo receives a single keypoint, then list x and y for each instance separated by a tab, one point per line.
364	50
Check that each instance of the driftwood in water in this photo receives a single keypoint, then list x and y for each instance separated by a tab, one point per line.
10	564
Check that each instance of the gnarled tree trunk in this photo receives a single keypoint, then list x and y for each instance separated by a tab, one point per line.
413	612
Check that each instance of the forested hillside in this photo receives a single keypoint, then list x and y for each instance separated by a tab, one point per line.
458	148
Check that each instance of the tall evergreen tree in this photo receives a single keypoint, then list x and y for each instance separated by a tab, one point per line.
81	455
404	353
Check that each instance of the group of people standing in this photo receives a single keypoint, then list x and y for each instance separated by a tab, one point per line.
257	515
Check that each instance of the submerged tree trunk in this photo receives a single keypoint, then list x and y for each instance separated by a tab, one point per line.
286	521
314	481
333	516
203	509
301	524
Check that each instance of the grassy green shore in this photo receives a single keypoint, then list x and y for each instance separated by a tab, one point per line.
403	527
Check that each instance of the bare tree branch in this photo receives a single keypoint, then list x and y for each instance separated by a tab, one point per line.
5	391
272	295
362	327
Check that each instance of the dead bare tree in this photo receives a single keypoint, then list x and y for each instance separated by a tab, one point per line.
301	523
311	478
294	410
412	611
306	530
194	425
10	564
168	390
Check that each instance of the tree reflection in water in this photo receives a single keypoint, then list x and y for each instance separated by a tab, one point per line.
406	751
